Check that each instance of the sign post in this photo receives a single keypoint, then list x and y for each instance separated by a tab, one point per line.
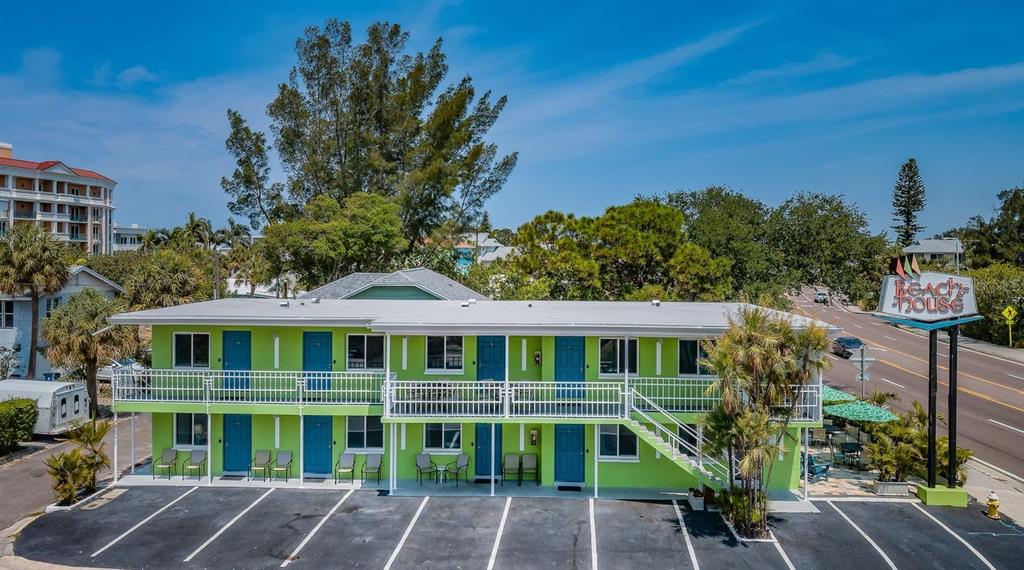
1011	315
865	363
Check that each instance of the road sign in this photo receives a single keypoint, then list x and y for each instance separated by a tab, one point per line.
1010	313
863	362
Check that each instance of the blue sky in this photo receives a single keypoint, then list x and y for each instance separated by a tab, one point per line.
606	101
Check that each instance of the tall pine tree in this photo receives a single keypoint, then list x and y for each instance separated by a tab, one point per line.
907	201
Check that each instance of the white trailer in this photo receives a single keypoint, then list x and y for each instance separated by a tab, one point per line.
61	404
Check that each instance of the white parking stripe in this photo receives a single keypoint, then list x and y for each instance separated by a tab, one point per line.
142	522
864	534
893	383
593	538
305	540
1007	426
783	554
405	535
227	526
686	535
858	326
956	536
501	529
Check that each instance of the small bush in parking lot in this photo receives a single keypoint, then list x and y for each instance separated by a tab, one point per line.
68	472
17	422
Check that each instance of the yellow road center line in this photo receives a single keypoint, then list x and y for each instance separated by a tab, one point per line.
959	388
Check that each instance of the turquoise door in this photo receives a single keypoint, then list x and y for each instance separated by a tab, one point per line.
317	443
237	447
490	366
237	359
569	453
569	364
317	357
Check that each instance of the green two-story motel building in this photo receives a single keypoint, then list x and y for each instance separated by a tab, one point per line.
599	394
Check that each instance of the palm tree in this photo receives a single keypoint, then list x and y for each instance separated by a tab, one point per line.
79	337
199	230
33	262
89	438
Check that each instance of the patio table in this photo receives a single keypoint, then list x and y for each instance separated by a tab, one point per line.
442	472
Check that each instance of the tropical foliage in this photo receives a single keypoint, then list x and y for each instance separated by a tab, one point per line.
17	422
88	438
900	448
67	474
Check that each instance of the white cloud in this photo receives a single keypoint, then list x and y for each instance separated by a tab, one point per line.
135	74
823	63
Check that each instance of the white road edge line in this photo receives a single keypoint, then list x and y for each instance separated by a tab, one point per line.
782	552
893	383
1015	376
405	535
309	536
593	538
890	338
864	534
686	535
858	326
142	522
227	526
1007	426
501	530
956	536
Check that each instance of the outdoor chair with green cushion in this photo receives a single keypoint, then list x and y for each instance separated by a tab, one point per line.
196	462
168	462
261	462
282	464
460	467
346	464
511	465
372	465
529	466
424	466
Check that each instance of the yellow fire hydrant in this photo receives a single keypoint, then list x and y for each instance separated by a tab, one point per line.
993	506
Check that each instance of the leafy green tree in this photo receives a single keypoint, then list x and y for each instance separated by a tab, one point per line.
556	248
1000	239
995	287
79	338
634	243
501	282
697	276
485	223
33	263
371	117
907	200
168	277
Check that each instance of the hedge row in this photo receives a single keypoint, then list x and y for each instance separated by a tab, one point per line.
17	422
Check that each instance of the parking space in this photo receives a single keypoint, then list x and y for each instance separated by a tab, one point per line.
207	527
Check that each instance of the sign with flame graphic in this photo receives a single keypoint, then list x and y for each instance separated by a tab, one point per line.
926	296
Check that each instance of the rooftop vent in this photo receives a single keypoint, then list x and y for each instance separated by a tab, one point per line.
315	300
472	301
465	304
284	303
656	302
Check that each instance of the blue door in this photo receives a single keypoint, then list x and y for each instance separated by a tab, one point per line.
569	364
237	442
568	453
237	359
316	448
490	366
317	357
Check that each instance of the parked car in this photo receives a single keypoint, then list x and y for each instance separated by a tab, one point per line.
821	297
845	346
106	373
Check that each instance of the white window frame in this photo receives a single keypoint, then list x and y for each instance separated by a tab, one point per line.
348	341
618	353
52	304
192	423
192	349
426	355
442	450
700	354
364	448
4	305
618	457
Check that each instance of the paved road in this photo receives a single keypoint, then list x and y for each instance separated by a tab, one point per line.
991	390
25	486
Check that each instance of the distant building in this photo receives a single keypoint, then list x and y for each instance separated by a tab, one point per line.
408	284
500	253
75	204
128	238
471	248
16	315
949	250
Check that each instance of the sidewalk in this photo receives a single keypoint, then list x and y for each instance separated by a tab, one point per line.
982	478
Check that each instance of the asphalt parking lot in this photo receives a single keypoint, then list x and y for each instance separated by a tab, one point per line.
208	527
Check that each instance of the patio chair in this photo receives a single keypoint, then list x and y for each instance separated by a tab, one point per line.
196	462
261	462
372	465
819	436
461	466
529	466
346	464
282	464
168	462
511	465
424	466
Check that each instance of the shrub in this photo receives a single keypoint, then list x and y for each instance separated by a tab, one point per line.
17	422
89	439
67	470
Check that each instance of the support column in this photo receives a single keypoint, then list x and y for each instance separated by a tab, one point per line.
597	442
954	335
133	443
115	447
807	460
625	396
933	384
393	467
209	447
302	436
492	459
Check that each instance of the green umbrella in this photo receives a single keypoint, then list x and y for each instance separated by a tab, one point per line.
859	411
831	395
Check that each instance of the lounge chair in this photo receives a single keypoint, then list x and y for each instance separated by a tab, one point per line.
424	466
530	466
196	462
261	462
511	465
372	465
346	464
461	466
168	462
283	464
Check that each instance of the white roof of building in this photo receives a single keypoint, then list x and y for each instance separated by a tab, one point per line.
501	253
460	317
950	246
